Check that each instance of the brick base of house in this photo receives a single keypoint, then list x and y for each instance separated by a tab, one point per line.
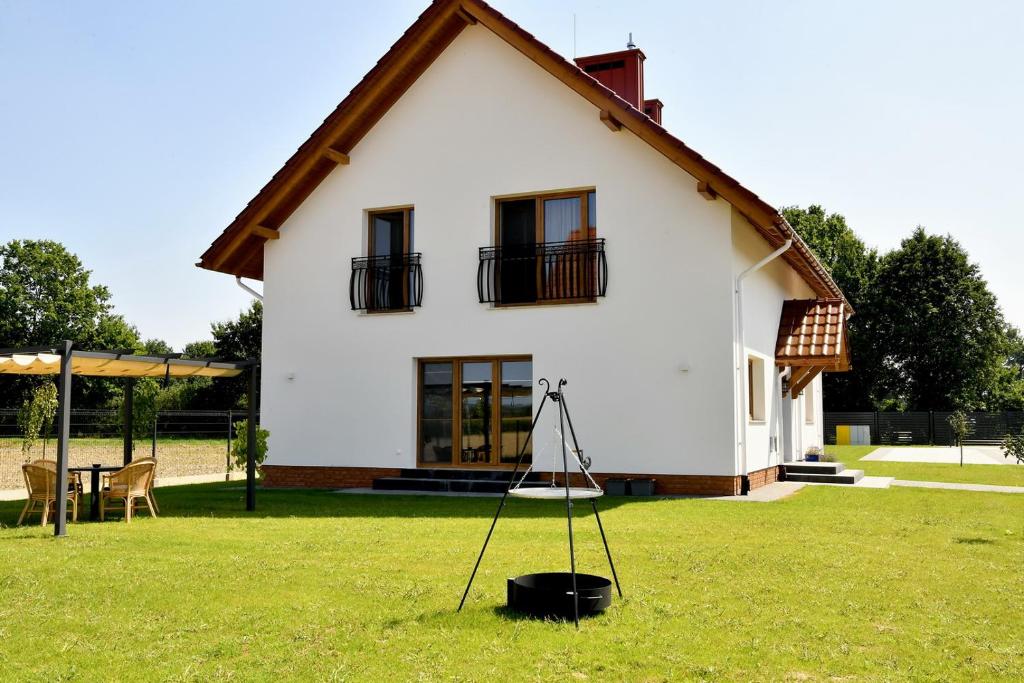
306	477
300	476
768	475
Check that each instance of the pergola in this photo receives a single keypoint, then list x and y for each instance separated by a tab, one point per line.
65	361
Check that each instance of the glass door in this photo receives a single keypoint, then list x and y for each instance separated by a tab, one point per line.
517	236
390	239
474	411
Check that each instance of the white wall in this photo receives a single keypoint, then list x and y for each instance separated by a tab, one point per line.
484	121
764	292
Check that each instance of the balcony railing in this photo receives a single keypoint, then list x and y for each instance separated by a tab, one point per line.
551	272
386	283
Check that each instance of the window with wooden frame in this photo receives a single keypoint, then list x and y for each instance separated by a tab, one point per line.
389	277
474	411
546	250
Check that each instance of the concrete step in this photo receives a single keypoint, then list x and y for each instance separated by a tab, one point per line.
466	474
430	484
814	468
844	477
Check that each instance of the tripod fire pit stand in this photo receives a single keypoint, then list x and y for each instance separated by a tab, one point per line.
556	593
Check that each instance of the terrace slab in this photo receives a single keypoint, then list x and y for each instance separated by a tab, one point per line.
973	455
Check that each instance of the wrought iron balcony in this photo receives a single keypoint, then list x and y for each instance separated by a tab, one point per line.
386	283
545	272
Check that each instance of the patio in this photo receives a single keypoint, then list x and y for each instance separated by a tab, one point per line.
973	455
65	360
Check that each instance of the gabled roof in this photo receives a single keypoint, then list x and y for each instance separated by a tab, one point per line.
239	249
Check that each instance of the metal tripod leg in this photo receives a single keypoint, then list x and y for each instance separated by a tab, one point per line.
504	497
593	502
568	510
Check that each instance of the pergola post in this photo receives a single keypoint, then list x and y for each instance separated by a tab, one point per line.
250	440
63	428
129	419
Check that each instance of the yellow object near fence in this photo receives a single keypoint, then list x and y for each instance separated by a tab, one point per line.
842	435
853	435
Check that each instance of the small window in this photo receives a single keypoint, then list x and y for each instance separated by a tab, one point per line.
755	389
809	404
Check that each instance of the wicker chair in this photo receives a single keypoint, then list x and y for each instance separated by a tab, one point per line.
129	484
152	481
41	483
74	478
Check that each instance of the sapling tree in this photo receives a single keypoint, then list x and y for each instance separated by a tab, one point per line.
960	426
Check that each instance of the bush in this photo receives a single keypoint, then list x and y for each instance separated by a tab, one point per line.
1013	447
240	447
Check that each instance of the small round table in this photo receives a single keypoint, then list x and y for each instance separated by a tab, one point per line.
94	485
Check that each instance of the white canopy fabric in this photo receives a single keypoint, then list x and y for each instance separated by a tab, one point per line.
114	365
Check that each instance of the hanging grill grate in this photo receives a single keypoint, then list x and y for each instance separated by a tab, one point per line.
555	594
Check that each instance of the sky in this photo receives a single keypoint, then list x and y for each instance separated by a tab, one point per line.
135	131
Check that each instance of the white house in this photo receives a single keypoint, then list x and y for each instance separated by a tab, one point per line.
480	213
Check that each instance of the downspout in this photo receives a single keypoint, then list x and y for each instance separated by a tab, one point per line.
247	288
739	351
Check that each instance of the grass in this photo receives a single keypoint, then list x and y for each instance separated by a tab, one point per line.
833	583
999	475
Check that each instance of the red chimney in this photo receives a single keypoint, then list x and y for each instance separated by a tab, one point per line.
622	72
653	109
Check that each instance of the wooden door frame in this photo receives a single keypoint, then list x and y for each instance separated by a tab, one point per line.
457	361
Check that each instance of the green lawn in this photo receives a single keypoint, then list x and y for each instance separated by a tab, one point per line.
1000	475
831	584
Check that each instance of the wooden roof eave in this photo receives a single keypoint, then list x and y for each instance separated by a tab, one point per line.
360	109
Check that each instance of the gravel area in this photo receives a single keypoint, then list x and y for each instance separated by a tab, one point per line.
175	457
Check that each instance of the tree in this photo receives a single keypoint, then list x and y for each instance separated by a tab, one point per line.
237	339
45	297
156	347
200	349
938	328
241	338
854	267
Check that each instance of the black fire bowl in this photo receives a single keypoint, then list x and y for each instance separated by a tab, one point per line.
549	595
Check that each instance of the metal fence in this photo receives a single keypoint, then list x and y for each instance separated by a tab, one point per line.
184	442
925	427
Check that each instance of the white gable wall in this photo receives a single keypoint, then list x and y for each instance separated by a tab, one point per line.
339	387
764	292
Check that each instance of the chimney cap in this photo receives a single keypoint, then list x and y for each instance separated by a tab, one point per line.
630	45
